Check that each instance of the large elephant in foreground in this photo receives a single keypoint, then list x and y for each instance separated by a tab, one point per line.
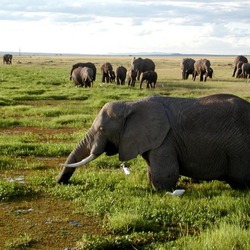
203	69
187	68
87	64
7	58
238	61
205	138
141	65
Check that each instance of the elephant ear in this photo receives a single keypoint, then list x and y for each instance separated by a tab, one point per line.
145	128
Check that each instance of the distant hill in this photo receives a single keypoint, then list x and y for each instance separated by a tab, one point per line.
109	54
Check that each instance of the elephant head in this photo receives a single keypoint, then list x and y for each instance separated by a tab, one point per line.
141	65
116	130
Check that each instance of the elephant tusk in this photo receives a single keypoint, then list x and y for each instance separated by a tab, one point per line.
81	163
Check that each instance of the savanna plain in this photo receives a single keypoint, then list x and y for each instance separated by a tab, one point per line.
43	116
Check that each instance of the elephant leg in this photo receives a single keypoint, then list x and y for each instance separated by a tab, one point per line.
103	77
234	71
194	75
138	75
163	170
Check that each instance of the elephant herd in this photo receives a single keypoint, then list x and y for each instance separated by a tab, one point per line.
84	74
203	68
241	67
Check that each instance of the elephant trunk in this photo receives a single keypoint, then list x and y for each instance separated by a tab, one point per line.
80	154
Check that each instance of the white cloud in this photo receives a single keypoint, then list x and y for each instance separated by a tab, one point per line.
125	26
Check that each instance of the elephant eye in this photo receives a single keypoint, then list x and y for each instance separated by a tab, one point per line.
101	129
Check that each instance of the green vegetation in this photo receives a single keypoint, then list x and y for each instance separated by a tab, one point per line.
43	116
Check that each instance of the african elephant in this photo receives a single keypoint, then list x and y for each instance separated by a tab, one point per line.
141	65
150	77
121	73
238	59
7	58
83	76
131	77
245	70
204	138
87	64
203	68
187	67
108	74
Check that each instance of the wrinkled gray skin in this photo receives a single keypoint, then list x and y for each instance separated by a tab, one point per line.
7	58
131	77
206	138
141	65
245	70
87	64
108	74
237	66
187	68
203	69
83	76
150	77
121	73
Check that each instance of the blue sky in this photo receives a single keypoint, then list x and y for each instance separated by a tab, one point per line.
100	27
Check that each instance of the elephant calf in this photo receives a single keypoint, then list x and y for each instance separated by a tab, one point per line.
150	77
245	70
131	77
121	73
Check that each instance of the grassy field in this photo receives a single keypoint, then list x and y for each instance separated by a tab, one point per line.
43	116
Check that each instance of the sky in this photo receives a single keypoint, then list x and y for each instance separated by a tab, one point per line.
125	26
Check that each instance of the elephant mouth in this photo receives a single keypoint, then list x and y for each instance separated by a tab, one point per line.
111	149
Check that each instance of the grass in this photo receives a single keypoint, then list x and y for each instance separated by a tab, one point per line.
43	116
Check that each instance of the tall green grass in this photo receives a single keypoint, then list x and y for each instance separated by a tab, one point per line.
43	116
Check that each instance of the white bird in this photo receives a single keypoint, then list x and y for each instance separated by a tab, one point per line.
177	192
125	169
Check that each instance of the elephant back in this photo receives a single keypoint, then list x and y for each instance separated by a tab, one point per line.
87	64
142	65
148	65
107	67
240	58
202	65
